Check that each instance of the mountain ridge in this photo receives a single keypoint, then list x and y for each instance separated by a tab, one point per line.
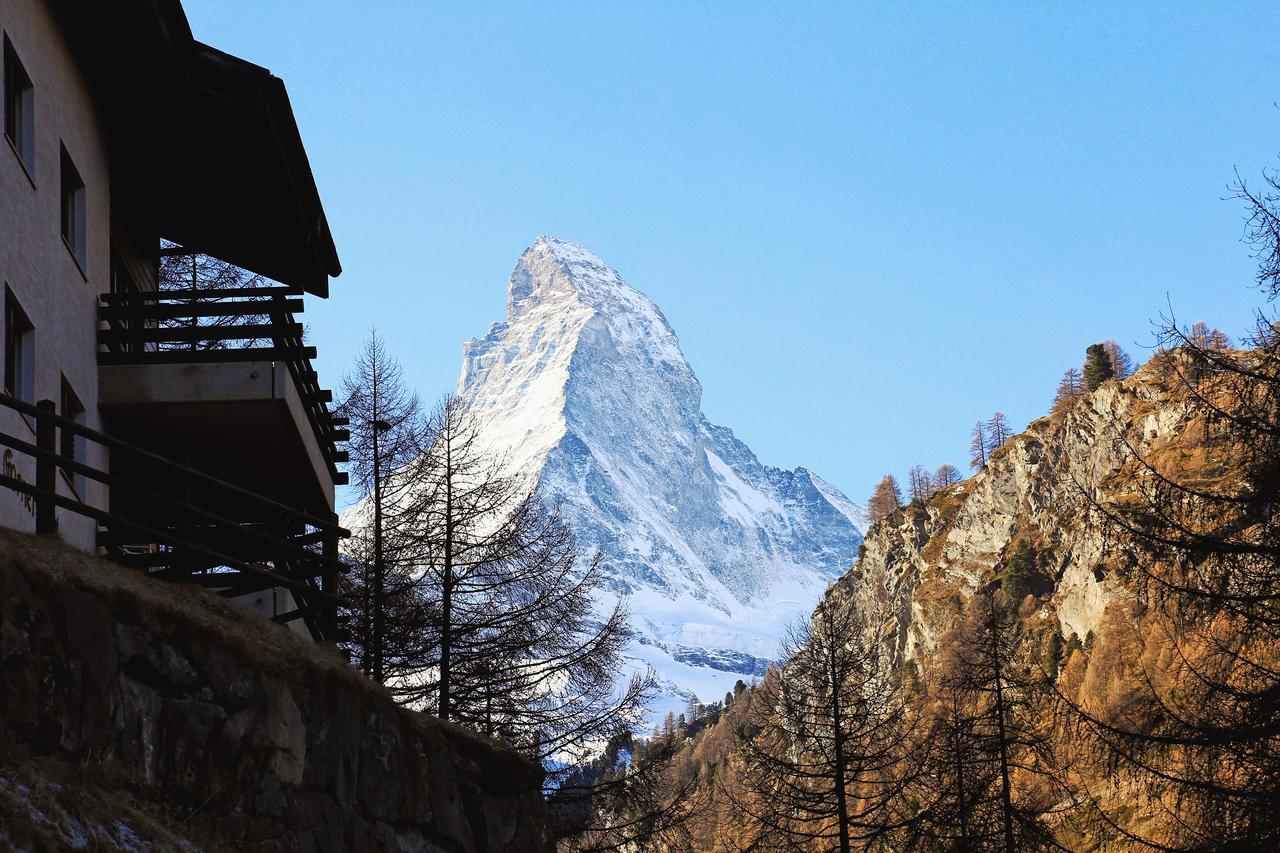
585	393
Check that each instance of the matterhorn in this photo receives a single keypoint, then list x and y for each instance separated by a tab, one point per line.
584	394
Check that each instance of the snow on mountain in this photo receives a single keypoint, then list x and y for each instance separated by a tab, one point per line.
584	391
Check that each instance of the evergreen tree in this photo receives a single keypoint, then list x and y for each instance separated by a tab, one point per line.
1019	570
1097	366
1121	363
885	500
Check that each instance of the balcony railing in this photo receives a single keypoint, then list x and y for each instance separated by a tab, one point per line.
175	523
202	325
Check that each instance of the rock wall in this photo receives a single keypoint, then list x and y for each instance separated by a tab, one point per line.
261	740
922	561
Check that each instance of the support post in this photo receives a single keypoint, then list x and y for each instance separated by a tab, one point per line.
329	584
46	469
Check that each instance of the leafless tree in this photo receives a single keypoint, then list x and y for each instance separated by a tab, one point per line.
1070	388
946	475
386	433
829	765
978	449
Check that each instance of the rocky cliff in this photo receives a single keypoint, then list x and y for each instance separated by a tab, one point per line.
1040	486
229	732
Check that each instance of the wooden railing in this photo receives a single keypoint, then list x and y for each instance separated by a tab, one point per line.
181	524
186	325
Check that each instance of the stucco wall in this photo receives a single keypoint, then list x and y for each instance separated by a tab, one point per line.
57	295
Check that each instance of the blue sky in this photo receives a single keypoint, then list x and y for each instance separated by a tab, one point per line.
869	224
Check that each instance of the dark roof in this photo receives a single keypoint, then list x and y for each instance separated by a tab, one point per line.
205	147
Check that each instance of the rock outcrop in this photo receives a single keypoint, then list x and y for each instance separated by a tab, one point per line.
258	739
923	560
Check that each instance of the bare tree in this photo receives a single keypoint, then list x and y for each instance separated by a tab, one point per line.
983	733
828	768
183	270
518	651
920	482
1201	540
978	449
998	432
386	432
946	475
1070	388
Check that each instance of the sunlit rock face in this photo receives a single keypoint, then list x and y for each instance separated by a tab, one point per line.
585	393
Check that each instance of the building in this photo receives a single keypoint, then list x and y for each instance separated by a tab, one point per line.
189	434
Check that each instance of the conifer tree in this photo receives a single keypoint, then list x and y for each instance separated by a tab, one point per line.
826	769
946	475
1070	388
920	481
1097	366
885	500
1121	363
998	432
984	737
387	614
978	447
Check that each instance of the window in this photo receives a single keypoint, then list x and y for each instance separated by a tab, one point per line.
19	108
72	445
72	208
19	351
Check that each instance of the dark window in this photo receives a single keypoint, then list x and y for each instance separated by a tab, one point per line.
72	443
72	207
19	351
19	108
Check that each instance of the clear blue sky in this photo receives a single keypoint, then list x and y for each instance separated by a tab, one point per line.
870	224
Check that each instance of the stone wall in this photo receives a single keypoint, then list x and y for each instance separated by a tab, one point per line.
259	739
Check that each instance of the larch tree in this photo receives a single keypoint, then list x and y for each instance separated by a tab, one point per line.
885	500
1202	336
386	616
978	450
1070	388
920	482
1097	366
517	649
992	778
1121	362
946	475
825	769
998	432
182	269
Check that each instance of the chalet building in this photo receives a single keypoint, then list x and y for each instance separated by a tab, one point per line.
174	426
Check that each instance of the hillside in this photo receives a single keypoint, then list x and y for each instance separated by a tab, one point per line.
1091	631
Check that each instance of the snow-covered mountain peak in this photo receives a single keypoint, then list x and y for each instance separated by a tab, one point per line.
584	391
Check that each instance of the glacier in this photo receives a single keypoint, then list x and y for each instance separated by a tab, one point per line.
585	395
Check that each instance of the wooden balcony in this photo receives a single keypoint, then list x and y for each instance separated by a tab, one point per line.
176	523
221	380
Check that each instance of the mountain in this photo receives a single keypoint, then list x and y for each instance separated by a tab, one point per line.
585	393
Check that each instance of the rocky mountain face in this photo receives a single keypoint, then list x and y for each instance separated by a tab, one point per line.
924	560
584	391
